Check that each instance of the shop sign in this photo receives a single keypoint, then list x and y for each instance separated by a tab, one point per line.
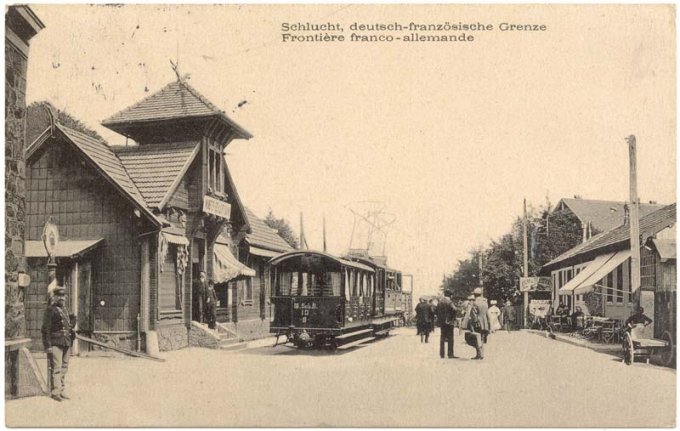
216	207
533	284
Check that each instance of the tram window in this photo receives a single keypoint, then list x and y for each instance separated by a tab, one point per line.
283	280
336	283
304	286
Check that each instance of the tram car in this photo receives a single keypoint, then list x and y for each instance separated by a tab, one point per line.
322	300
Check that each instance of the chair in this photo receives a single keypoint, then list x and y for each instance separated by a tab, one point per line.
609	332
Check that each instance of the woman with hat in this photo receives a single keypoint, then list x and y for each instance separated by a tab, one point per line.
493	315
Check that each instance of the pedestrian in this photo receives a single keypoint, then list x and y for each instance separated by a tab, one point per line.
57	337
446	317
423	320
198	292
433	310
210	305
508	316
479	321
493	316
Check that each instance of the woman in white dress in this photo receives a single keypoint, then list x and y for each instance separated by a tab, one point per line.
493	314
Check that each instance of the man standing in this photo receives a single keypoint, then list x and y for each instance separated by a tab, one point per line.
508	316
57	337
480	320
199	290
210	305
446	316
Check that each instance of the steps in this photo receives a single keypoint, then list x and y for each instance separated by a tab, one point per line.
229	340
351	337
221	337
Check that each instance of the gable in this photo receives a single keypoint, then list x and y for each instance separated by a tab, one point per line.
157	169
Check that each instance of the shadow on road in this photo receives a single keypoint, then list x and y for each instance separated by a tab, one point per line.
290	350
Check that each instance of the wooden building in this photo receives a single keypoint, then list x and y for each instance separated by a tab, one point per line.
138	223
596	216
596	274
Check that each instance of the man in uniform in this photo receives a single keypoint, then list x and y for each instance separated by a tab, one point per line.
446	316
57	337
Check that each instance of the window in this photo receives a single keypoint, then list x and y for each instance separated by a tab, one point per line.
608	281
216	178
619	284
248	294
170	294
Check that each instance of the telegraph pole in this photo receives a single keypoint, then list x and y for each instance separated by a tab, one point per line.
634	217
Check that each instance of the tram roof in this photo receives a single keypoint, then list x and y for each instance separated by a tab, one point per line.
371	263
341	261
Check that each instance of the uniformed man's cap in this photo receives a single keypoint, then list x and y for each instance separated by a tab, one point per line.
477	291
60	291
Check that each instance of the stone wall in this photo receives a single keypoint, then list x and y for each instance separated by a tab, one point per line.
15	186
250	329
172	337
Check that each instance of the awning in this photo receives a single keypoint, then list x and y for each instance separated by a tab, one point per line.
175	239
586	272
262	252
609	266
226	267
71	249
594	272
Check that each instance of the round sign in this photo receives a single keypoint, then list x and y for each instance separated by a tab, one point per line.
50	237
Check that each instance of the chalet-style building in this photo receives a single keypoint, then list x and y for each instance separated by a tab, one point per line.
597	216
596	274
138	223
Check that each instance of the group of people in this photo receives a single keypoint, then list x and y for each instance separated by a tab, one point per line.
205	301
478	319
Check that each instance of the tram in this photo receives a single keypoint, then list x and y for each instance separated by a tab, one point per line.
323	300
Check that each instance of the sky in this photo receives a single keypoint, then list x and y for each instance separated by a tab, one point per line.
447	137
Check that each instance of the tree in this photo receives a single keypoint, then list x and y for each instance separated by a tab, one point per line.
282	226
548	236
37	120
464	279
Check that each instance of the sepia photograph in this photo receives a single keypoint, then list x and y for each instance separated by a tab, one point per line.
340	215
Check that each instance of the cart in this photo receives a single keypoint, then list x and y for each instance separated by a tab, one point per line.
634	346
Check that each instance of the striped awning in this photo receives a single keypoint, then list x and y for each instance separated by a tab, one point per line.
175	239
226	267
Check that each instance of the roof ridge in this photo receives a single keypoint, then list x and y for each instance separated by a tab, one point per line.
200	97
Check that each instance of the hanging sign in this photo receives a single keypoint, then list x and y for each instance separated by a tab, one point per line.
216	207
50	237
535	284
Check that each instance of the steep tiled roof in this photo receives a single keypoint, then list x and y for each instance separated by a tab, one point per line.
174	101
263	236
107	162
156	169
619	237
603	215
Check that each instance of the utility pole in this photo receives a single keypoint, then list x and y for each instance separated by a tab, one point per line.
526	263
634	217
324	233
481	267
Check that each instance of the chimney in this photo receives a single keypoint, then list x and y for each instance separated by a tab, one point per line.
653	202
626	214
577	197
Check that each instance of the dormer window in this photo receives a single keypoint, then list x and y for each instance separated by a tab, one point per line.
216	175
